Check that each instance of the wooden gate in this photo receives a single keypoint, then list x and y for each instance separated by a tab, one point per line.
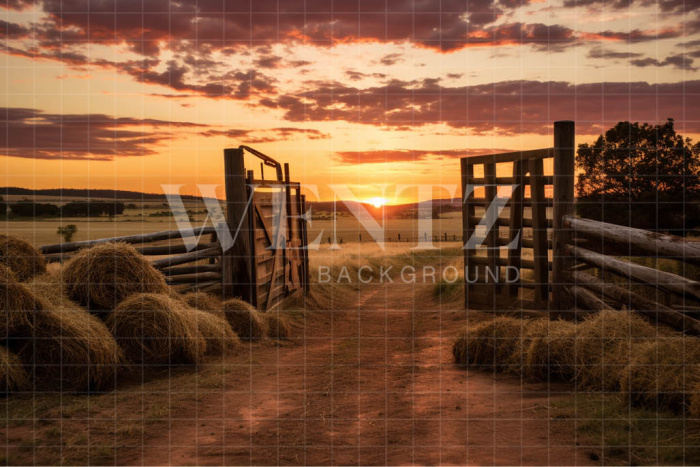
268	260
508	259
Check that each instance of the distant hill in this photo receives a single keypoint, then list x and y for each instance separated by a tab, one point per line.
89	193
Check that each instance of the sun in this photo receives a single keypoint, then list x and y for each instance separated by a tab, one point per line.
377	202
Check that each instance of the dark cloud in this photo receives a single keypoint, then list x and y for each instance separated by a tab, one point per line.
267	136
33	134
407	155
679	61
391	59
670	6
508	107
268	61
608	54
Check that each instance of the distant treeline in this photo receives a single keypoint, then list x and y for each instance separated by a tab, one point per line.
89	194
73	209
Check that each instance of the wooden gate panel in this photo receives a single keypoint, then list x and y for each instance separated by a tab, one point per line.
276	256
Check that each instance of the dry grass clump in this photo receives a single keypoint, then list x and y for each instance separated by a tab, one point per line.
605	343
102	276
664	373
13	377
17	304
205	302
68	350
215	331
245	321
549	350
156	329
21	257
489	344
278	326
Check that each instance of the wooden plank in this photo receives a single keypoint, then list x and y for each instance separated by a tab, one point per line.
636	241
539	233
638	303
131	239
546	179
237	279
526	202
652	277
586	298
516	226
468	223
502	221
175	271
186	258
193	278
493	252
510	156
524	263
564	155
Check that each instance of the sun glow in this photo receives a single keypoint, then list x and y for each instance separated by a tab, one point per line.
377	202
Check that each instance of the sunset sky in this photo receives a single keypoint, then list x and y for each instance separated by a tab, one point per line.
132	94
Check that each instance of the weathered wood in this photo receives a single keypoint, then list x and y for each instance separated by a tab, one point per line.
172	249
468	223
539	232
586	298
194	278
493	251
131	239
237	279
638	303
652	277
524	263
305	242
176	271
527	202
564	164
546	179
636	241
510	156
502	221
186	258
515	232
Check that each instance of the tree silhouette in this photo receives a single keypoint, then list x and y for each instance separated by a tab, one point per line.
642	175
67	232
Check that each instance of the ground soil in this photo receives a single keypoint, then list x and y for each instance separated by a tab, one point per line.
371	382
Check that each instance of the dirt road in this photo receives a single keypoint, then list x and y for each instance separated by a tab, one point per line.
371	382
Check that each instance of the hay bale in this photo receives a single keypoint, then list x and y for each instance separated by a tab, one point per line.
245	321
664	374
278	326
17	304
549	350
13	377
21	257
216	332
489	344
605	343
694	401
155	329
204	302
102	276
68	350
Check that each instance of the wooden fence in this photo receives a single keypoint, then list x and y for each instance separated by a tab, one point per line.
504	255
265	265
577	264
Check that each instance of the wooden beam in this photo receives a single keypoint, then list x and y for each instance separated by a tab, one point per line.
131	239
468	223
638	303
176	271
539	233
186	258
237	280
515	233
586	298
636	241
564	164
652	277
194	278
510	156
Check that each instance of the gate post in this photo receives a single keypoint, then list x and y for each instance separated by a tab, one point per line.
564	164
236	261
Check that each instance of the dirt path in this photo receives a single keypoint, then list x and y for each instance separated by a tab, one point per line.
370	383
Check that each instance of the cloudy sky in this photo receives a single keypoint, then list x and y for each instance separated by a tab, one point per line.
133	94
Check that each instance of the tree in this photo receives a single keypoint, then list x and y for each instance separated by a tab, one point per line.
67	232
642	175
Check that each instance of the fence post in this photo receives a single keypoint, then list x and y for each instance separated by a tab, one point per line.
236	261
564	163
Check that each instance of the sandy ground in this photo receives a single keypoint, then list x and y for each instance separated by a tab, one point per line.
372	382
